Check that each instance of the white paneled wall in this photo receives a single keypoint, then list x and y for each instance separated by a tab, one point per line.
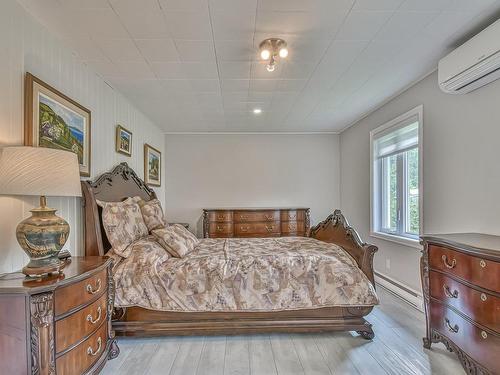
25	45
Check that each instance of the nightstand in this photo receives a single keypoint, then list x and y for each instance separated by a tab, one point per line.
60	324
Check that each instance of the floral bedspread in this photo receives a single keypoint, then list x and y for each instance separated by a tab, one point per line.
261	274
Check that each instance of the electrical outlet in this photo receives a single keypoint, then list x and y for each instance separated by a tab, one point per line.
388	264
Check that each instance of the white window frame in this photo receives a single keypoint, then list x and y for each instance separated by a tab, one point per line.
375	203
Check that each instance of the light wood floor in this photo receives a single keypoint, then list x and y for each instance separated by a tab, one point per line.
396	349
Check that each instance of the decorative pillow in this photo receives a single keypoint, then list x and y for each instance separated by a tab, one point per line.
152	213
176	239
123	224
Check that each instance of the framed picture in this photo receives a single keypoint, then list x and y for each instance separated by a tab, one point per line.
53	120
123	141
152	165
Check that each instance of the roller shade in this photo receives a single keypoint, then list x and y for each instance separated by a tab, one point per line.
397	138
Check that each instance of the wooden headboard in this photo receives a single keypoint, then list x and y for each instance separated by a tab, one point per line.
115	186
336	229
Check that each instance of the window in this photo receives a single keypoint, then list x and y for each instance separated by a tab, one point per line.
396	178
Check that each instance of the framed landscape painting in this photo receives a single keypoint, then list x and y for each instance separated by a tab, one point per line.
53	120
123	141
152	165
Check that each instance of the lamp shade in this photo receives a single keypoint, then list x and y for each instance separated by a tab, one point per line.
39	171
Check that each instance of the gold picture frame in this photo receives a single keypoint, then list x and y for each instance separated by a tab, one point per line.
152	165
53	120
123	140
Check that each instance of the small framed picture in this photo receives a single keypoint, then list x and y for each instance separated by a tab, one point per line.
123	141
152	166
53	120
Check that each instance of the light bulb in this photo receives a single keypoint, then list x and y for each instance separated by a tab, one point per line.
283	52
257	111
270	68
265	54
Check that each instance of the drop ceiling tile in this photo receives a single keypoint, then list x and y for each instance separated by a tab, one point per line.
133	5
304	6
168	70
205	85
234	69
363	25
307	50
235	85
453	21
101	23
86	48
158	50
233	6
294	70
377	4
263	84
426	5
176	86
468	5
196	50
144	23
135	69
189	5
119	49
195	70
189	25
233	26
89	4
315	24
235	50
259	96
405	25
291	84
103	68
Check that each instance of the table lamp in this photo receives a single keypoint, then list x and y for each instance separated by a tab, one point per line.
43	172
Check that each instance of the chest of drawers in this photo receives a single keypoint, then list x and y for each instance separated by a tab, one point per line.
60	324
255	222
461	286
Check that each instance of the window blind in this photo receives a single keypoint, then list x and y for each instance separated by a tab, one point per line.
398	138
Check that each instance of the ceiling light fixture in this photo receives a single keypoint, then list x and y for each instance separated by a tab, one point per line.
257	111
271	50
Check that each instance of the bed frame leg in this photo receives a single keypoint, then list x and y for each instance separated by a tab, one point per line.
367	333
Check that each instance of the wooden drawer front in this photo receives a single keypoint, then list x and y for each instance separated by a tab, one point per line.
481	345
220	216
220	229
481	307
79	325
80	358
478	271
292	227
72	296
251	229
252	216
290	215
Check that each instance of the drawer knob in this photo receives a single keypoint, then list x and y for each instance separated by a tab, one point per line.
91	290
220	229
447	264
448	292
451	328
484	335
482	263
91	351
91	320
483	297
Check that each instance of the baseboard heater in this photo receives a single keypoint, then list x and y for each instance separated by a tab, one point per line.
402	291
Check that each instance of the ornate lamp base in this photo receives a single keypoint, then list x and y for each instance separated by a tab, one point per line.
42	267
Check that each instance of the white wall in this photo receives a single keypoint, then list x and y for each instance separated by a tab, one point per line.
28	46
461	168
251	171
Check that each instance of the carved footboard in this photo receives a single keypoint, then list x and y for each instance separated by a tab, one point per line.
336	229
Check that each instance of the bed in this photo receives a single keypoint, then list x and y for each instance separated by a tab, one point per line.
333	253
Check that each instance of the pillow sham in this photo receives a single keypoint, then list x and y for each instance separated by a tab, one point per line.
123	224
152	213
176	239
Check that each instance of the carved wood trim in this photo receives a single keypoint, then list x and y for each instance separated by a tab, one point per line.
424	278
42	334
205	224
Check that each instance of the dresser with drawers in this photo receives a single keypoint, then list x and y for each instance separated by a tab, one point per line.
255	222
461	286
60	324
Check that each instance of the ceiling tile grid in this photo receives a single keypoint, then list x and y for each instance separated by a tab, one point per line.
193	65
